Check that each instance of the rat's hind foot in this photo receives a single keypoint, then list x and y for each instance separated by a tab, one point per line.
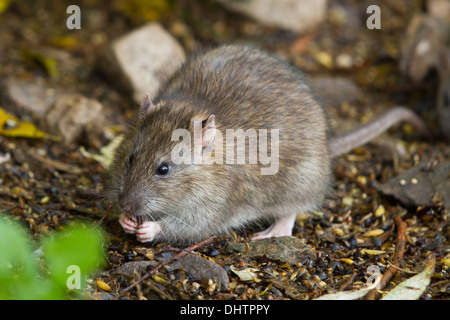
281	227
147	231
128	224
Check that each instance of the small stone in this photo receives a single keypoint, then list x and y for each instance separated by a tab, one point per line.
28	100
201	268
142	60
284	249
293	15
74	114
428	182
344	61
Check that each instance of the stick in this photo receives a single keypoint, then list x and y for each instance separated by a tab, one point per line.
348	282
108	209
163	263
399	251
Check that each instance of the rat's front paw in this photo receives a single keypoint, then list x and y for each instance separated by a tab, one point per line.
147	231
128	224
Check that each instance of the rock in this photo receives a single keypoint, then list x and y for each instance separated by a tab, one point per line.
293	15
282	249
424	39
443	101
198	267
335	90
201	268
73	114
418	186
143	59
28	100
439	8
53	110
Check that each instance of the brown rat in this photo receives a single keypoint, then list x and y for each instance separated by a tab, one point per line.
229	88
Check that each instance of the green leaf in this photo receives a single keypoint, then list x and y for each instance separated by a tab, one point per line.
78	246
17	268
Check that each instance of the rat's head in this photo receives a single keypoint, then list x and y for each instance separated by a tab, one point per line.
159	173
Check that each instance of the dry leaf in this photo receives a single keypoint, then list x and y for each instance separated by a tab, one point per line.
10	126
247	274
414	287
106	153
351	295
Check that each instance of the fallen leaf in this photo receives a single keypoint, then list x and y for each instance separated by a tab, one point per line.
106	153
414	287
11	126
351	295
247	274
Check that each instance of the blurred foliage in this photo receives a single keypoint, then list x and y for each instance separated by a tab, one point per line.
143	10
24	275
4	4
48	64
11	126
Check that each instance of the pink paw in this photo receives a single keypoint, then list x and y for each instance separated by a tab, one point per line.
128	224
147	231
280	228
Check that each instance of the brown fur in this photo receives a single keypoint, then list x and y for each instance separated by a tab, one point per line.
244	88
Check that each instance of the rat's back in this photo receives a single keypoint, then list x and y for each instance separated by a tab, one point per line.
246	88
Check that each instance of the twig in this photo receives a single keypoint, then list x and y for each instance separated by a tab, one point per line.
386	234
399	251
348	282
401	269
108	209
163	263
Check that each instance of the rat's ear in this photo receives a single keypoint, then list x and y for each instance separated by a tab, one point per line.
204	138
147	105
208	130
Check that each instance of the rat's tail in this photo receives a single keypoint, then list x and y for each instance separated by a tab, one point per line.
354	138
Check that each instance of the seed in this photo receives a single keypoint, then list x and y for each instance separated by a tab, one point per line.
103	285
361	179
347	261
380	211
372	252
446	263
338	231
45	199
374	233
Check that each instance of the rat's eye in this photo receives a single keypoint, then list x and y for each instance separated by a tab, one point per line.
163	170
131	159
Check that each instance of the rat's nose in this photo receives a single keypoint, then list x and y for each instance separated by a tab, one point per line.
127	208
126	205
